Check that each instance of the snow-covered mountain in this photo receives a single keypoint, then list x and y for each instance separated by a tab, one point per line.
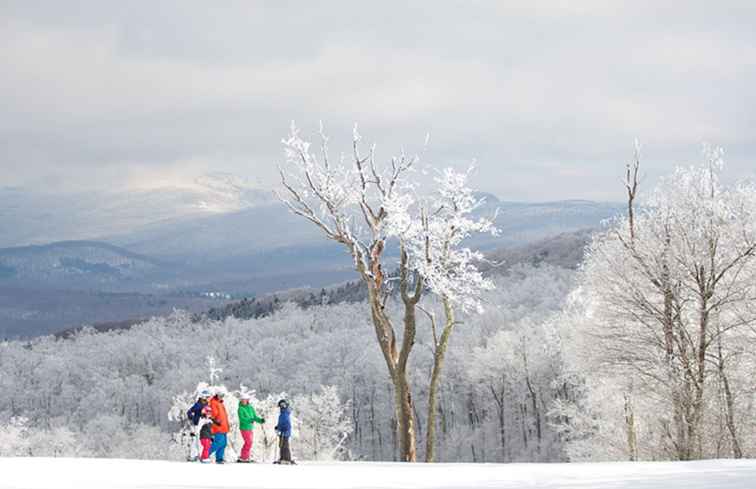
42	215
90	263
226	192
268	227
223	214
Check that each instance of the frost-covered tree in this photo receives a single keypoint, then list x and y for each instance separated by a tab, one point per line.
434	231
324	424
19	437
14	437
347	202
666	287
363	206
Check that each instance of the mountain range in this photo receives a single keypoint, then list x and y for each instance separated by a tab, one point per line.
129	255
42	215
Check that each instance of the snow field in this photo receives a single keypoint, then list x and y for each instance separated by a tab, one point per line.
62	473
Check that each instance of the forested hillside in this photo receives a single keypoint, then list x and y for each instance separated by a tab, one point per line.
564	251
121	383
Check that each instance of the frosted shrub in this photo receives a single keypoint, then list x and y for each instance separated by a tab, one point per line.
324	425
103	434
14	437
18	438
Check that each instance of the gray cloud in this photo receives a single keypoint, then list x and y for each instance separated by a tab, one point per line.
547	98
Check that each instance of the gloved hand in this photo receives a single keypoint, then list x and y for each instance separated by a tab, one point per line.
262	420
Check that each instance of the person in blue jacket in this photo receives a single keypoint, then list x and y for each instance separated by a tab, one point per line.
283	428
193	415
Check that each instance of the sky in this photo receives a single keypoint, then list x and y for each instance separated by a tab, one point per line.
546	97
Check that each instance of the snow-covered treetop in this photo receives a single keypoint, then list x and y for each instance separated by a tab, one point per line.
694	239
433	230
362	204
345	199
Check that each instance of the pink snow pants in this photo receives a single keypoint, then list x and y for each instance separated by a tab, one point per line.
206	442
247	447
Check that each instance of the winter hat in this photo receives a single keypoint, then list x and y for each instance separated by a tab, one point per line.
204	394
283	404
244	396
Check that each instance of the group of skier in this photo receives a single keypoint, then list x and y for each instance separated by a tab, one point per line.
209	428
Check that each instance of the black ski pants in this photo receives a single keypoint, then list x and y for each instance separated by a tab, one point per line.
283	444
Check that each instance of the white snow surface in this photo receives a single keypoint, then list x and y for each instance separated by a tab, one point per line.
61	473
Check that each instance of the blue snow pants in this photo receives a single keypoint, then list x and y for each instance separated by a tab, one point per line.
219	446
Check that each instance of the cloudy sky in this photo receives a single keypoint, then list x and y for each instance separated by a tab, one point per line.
546	96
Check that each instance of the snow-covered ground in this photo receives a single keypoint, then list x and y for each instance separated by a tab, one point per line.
59	473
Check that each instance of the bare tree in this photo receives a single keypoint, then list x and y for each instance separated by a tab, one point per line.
348	202
659	276
434	232
361	206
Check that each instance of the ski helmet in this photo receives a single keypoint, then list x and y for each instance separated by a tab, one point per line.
205	394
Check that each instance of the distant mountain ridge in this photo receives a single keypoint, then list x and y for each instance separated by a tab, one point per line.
269	227
254	250
210	256
94	264
39	216
234	251
565	250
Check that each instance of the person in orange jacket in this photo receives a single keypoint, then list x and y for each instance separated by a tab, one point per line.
219	417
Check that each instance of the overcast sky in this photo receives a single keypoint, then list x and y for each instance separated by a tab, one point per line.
547	97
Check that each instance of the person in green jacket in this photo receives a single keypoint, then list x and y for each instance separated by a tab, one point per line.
247	418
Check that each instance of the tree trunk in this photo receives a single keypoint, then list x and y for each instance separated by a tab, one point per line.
406	418
438	363
533	398
536	411
737	452
397	359
523	418
632	443
499	400
694	425
402	390
680	440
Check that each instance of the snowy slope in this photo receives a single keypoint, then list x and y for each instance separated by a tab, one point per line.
41	473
